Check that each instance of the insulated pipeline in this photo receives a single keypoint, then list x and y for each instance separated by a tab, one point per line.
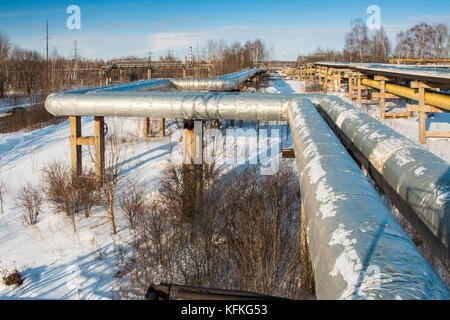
351	234
420	179
357	248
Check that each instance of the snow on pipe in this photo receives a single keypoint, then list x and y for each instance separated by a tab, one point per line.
227	82
357	248
184	105
275	107
420	178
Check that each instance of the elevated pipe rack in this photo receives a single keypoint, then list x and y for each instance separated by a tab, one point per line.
351	233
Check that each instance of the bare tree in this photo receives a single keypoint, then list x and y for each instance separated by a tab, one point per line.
357	40
416	42
380	46
246	238
4	52
440	40
422	35
30	200
132	202
115	152
29	67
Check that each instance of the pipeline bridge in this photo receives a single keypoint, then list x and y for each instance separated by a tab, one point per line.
124	65
357	248
375	83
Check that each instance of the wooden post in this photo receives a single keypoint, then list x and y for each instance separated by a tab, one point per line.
184	72
99	141
422	116
359	88
192	169
75	149
121	76
350	88
162	126
339	79
382	95
149	73
146	127
147	120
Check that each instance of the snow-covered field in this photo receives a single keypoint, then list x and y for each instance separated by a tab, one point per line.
60	264
56	262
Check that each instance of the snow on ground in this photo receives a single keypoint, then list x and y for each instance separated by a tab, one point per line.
58	263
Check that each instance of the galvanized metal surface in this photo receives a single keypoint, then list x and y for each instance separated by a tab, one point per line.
227	82
357	248
420	178
170	105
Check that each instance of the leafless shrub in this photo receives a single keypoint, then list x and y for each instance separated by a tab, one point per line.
263	231
69	193
114	156
132	202
87	189
61	193
246	236
30	200
14	278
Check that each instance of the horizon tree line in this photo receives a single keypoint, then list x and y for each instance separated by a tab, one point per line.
421	41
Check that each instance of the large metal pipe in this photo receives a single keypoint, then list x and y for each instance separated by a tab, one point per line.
419	178
226	82
184	105
434	99
358	250
430	204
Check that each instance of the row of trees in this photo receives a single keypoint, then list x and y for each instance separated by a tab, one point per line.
421	41
27	73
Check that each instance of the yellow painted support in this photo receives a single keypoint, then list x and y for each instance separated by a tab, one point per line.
435	99
75	149
99	137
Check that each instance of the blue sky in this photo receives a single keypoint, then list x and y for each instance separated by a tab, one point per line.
120	28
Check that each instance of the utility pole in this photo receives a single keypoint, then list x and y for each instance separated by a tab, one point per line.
46	38
75	56
46	54
150	55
